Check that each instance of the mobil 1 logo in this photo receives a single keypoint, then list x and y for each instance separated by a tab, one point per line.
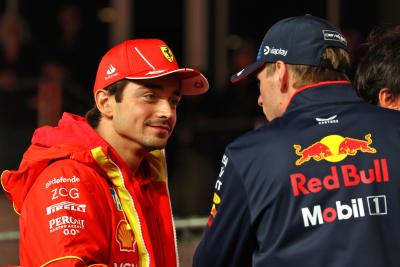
377	205
353	209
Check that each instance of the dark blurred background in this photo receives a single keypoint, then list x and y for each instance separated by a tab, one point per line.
49	51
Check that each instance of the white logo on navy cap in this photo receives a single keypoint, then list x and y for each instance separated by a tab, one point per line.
266	50
334	36
274	51
240	72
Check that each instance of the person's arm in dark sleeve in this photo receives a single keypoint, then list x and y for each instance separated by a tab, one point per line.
228	239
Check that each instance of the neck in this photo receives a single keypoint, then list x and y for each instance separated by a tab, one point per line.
130	152
132	158
287	97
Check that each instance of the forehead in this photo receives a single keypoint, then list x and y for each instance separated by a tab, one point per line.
260	73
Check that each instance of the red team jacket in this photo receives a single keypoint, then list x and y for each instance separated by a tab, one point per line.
80	205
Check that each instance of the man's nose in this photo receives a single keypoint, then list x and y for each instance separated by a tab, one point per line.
259	101
165	109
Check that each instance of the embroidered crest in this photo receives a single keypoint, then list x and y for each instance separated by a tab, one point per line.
167	53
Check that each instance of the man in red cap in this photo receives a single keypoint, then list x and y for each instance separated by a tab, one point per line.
93	191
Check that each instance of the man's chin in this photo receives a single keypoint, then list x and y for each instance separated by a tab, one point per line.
155	145
151	143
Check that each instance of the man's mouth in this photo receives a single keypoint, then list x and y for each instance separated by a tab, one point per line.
162	125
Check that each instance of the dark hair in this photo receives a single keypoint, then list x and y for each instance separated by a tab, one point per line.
380	65
336	58
93	116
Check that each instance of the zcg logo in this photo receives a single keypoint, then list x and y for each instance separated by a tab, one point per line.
64	192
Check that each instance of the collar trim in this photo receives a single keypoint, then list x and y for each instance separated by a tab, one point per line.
314	85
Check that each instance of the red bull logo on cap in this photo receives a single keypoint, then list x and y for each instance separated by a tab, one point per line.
334	148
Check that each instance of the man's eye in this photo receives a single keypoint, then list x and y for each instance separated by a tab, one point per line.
150	97
175	101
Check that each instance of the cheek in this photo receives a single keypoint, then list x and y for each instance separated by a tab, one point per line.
128	117
263	94
174	117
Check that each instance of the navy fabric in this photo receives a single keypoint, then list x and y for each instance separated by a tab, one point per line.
318	186
296	40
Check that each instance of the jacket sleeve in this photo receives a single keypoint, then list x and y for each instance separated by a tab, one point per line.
228	238
65	218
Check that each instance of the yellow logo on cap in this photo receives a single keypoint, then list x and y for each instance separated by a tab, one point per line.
167	53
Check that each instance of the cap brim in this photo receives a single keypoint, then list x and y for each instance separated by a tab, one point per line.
247	71
193	81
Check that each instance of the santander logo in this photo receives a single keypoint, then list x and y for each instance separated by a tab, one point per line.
111	70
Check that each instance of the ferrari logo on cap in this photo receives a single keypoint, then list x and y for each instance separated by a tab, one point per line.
167	53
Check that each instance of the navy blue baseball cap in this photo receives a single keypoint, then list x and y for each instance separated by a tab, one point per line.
297	41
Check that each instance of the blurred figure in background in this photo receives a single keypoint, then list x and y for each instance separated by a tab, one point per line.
17	59
377	78
18	71
68	59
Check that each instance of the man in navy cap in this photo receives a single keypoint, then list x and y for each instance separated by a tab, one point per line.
317	185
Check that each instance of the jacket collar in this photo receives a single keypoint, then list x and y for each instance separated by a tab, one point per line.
323	93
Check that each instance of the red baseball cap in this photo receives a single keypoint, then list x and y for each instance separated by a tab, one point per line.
146	59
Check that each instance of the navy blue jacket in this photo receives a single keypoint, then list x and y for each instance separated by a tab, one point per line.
319	186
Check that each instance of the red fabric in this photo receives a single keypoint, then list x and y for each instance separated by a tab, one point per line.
155	194
144	59
69	211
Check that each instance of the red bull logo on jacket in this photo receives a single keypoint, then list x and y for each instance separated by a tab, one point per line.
333	148
348	175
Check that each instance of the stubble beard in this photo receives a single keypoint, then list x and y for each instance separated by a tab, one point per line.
155	142
158	140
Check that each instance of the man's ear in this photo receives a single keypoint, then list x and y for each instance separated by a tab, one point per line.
104	103
283	75
388	100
